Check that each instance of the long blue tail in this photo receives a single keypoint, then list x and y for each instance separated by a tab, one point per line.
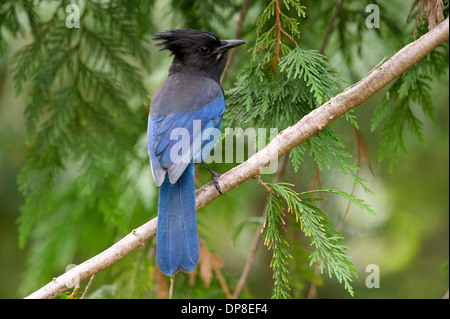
177	245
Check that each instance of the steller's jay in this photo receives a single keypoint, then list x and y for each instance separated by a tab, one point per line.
190	104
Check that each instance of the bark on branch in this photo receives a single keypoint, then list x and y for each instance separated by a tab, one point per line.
308	126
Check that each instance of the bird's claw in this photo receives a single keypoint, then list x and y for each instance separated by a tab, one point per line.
216	183
215	176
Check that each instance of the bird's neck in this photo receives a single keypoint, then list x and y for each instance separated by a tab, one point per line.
178	67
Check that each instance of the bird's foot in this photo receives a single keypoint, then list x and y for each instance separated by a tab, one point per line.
215	177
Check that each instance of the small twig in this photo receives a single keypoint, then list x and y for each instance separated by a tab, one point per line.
289	36
237	35
53	17
250	258
223	282
85	10
312	292
349	204
259	180
72	295
331	26
347	211
278	24
258	234
279	31
172	279
88	286
376	67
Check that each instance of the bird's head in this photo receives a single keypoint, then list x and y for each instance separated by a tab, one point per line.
196	50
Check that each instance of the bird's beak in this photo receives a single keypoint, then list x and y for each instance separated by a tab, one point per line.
225	45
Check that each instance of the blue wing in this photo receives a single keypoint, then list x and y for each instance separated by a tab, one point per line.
177	139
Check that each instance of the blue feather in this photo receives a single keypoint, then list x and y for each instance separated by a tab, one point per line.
177	238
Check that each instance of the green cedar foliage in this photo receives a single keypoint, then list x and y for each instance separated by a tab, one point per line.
282	83
85	119
329	250
408	95
84	85
266	96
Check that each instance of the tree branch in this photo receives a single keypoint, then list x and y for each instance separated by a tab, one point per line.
308	126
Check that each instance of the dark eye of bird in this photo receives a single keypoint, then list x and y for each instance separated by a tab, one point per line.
204	49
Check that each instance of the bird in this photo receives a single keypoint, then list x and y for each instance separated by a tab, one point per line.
184	120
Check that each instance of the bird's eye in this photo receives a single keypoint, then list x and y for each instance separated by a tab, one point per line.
204	49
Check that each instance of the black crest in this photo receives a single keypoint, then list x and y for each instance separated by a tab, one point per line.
180	42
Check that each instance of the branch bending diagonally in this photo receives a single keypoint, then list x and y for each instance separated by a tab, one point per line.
292	136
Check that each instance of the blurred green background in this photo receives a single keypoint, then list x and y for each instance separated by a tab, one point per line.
409	240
